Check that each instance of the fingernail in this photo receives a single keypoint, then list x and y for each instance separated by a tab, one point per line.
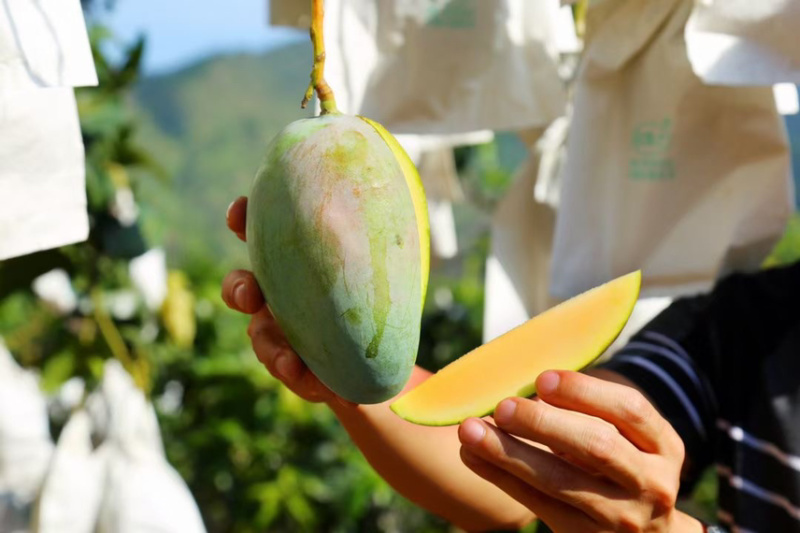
228	211
472	432
284	367
240	295
505	411
547	383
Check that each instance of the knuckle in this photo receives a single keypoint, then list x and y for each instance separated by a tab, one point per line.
636	409
677	446
601	445
661	495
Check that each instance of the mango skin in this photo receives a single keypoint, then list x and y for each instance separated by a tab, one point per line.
335	244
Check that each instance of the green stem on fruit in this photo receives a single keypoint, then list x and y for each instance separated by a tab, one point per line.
318	83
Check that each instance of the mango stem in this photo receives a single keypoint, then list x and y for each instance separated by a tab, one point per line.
324	92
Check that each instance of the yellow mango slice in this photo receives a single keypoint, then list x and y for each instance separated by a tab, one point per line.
570	336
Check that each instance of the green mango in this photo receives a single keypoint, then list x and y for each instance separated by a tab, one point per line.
338	237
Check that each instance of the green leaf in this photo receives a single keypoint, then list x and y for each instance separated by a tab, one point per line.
787	250
129	72
269	498
56	370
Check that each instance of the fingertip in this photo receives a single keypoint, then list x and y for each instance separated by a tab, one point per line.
471	431
229	284
504	412
547	383
242	293
288	367
236	216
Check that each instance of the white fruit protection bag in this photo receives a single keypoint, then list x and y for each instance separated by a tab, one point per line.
517	268
434	67
664	173
742	42
142	491
44	53
447	73
25	443
125	485
437	171
71	494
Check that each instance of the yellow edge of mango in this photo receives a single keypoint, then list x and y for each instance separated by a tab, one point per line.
629	286
417	192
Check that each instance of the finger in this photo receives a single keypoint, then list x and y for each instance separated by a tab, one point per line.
275	353
624	407
237	216
585	440
240	291
267	337
557	515
542	470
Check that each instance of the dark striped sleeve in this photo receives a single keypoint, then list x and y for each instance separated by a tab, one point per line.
724	369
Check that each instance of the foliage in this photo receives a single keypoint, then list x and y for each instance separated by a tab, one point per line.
788	248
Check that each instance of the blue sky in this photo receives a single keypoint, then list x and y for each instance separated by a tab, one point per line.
180	32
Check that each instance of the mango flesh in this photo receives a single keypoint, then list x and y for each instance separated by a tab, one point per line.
338	237
568	336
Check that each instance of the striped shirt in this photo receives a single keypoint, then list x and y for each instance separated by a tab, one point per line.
724	369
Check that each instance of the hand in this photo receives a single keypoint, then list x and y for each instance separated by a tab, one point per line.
241	292
615	464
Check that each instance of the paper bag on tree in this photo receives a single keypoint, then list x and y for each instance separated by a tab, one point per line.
745	42
444	68
664	173
44	53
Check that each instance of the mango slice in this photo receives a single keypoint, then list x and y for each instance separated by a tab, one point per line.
570	336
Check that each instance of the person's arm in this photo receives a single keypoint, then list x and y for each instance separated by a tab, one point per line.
424	464
518	475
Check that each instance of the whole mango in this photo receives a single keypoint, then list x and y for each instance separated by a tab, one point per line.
337	231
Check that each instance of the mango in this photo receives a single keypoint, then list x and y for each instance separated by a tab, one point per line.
338	237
